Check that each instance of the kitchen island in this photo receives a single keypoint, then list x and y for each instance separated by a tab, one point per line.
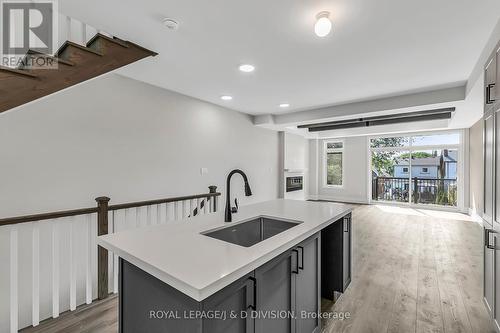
202	275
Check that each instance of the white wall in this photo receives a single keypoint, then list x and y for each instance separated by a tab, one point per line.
296	152
476	168
130	141
121	138
355	168
295	155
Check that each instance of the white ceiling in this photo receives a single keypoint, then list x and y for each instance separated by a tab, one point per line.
377	48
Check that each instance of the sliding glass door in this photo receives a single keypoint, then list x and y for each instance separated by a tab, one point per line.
418	170
434	176
390	181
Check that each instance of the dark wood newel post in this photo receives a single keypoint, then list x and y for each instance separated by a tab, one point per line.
102	253
213	189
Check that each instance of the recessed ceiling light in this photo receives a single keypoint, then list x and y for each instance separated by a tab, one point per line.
284	105
323	24
247	68
226	97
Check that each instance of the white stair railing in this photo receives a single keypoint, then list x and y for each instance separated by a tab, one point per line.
52	262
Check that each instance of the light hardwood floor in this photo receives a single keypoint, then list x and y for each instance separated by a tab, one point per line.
413	271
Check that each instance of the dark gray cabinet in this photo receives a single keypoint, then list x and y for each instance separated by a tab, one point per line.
494	306
142	300
149	305
307	286
489	135
346	252
336	258
497	81
275	293
260	302
237	299
289	284
495	166
489	271
491	209
490	77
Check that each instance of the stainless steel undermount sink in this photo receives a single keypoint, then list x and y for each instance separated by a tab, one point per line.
251	232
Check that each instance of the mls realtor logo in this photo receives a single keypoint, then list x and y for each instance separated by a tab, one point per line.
28	32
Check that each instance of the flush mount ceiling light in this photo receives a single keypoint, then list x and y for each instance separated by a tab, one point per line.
284	105
323	24
226	97
171	23
246	68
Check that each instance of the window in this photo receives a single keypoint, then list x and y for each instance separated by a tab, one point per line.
417	169
436	139
390	142
334	163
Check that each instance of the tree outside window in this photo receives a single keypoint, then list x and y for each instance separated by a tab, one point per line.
334	167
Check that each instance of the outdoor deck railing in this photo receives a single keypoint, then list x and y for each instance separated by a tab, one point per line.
438	191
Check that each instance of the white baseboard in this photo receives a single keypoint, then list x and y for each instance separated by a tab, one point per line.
338	199
476	217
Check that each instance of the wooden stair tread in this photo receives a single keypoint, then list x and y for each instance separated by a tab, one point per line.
81	47
102	55
113	40
18	71
59	60
151	53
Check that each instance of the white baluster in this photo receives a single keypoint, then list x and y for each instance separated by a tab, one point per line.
35	300
137	217
205	207
176	210
198	206
55	269
114	258
88	261
158	214
183	209
166	212
84	33
126	217
210	205
190	208
148	215
68	28
115	274
111	267
13	279
72	265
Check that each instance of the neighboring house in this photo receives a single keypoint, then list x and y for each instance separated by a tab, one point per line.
420	168
428	167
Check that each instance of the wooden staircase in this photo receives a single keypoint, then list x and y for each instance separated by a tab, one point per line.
75	63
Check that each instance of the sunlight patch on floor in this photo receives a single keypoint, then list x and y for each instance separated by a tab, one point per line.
437	214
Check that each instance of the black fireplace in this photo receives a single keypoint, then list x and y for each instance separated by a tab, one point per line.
294	183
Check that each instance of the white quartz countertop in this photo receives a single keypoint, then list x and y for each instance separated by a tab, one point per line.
198	265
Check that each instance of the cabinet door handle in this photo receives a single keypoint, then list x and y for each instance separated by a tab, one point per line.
346	224
487	238
301	266
296	271
488	93
254	305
